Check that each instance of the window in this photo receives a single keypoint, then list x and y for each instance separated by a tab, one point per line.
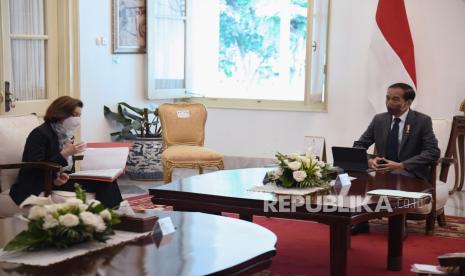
238	49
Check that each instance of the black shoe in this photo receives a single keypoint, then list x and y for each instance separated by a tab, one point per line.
359	228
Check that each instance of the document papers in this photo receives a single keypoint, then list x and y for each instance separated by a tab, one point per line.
397	193
102	164
427	269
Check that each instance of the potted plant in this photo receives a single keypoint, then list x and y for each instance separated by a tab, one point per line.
140	126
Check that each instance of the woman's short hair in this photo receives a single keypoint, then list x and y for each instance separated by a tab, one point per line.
61	108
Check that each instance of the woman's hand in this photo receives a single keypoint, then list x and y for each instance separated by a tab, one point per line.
61	179
72	149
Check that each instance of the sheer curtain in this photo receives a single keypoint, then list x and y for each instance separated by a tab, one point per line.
170	25
317	72
28	42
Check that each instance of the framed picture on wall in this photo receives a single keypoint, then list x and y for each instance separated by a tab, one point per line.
129	26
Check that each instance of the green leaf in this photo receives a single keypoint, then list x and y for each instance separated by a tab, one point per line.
80	193
115	218
115	116
96	208
132	116
287	179
133	120
115	133
139	111
26	240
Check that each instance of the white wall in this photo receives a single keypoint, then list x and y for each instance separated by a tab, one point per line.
438	29
103	82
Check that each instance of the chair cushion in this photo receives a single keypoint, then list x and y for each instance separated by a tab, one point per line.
183	123
190	154
441	128
14	131
8	206
442	195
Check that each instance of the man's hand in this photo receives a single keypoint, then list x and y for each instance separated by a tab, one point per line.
72	149
385	166
61	179
374	162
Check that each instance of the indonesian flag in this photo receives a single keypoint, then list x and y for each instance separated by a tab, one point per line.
391	56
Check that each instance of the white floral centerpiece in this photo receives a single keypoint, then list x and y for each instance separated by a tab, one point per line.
299	171
52	225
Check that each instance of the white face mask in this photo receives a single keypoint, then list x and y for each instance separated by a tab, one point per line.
71	123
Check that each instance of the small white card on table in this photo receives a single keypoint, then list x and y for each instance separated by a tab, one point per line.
163	231
343	180
166	226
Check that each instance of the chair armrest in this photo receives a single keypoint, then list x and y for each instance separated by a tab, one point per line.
48	167
453	260
445	164
79	157
36	165
447	161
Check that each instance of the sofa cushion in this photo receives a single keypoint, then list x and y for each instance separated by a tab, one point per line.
442	195
14	131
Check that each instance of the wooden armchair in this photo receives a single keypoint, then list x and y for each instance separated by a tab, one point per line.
455	150
13	133
440	194
183	127
440	188
449	264
453	260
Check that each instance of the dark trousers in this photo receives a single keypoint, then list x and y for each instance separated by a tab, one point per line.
105	192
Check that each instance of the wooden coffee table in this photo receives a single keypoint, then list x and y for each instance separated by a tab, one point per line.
202	244
229	191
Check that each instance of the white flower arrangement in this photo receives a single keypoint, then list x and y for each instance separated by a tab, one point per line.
61	225
299	171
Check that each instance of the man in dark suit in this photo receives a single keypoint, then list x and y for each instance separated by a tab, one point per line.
404	138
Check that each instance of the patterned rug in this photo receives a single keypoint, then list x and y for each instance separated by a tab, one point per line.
455	227
142	202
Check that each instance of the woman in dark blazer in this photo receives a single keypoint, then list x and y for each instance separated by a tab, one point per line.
53	142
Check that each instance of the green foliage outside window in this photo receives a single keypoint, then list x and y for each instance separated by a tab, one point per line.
249	42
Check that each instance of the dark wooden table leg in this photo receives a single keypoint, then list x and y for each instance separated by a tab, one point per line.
395	241
338	240
349	237
246	217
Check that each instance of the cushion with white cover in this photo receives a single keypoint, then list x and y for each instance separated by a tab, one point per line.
14	131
